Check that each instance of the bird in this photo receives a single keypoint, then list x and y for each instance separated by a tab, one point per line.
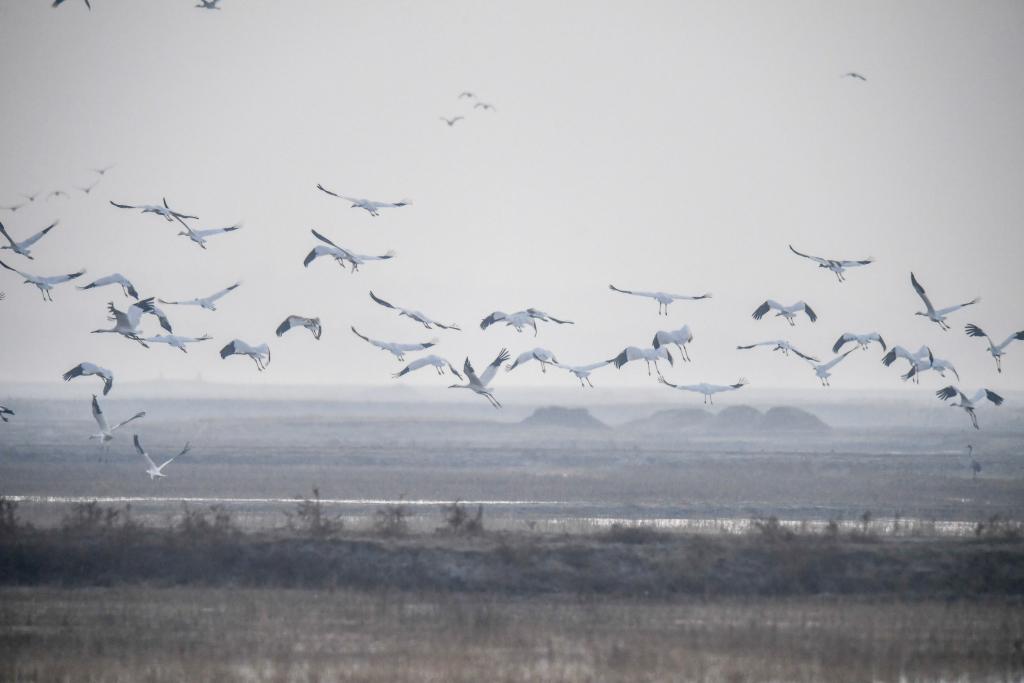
58	3
997	350
13	207
542	356
311	324
4	412
929	362
56	193
521	319
208	4
86	369
106	431
663	298
452	121
199	236
708	390
207	302
975	465
910	356
177	341
126	323
466	94
853	74
367	205
582	372
341	255
88	188
440	364
937	316
103	171
31	197
164	211
3	295
969	404
396	349
153	470
780	345
45	283
415	315
862	340
22	247
680	338
485	106
256	353
822	369
787	312
837	266
652	355
479	385
116	279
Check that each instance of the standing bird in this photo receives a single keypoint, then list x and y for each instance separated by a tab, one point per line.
780	345
199	236
997	350
86	369
937	316
44	283
367	205
311	324
862	340
116	279
969	404
415	315
237	347
822	369
663	298
582	372
177	341
341	255
708	390
396	349
164	211
680	338
975	465
437	362
22	247
479	385
542	356
153	470
787	312
652	355
106	431
837	266
126	323
4	412
207	302
453	120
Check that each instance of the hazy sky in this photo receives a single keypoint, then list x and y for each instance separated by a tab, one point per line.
674	146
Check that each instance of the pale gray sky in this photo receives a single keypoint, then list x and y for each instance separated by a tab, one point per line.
658	145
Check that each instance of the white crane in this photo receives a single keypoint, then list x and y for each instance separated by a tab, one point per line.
367	205
45	283
485	106
396	349
207	302
837	266
22	247
663	298
12	207
787	312
165	211
87	369
582	372
930	362
862	340
822	370
780	345
466	94
126	323
89	188
997	350
521	319
652	355
854	75
911	357
542	356
479	385
341	255
208	4
199	236
707	390
680	338
418	316
437	362
153	470
106	431
452	121
937	316
176	341
4	412
311	324
58	3
116	279
968	405
237	347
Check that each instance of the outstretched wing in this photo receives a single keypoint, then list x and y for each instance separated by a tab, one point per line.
184	450
492	369
97	414
950	309
920	292
691	297
803	355
629	291
3	231
136	416
492	318
761	310
846	337
217	295
816	259
810	312
381	301
36	237
467	368
125	206
946	393
143	453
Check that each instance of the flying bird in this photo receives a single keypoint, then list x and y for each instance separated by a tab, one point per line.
652	355
208	4
862	340
582	372
177	341
158	210
930	362
106	431
44	283
22	247
968	405
116	279
437	362
88	188
58	3
199	236
479	385
237	347
31	197
854	74
997	350
663	298
680	338
126	323
708	390
542	356
787	312
419	317
396	349
521	319
103	171
367	205
837	266
311	324
207	302
153	470
452	121
937	316
87	369
822	370
56	193
485	106
341	255
780	345
466	94
4	412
